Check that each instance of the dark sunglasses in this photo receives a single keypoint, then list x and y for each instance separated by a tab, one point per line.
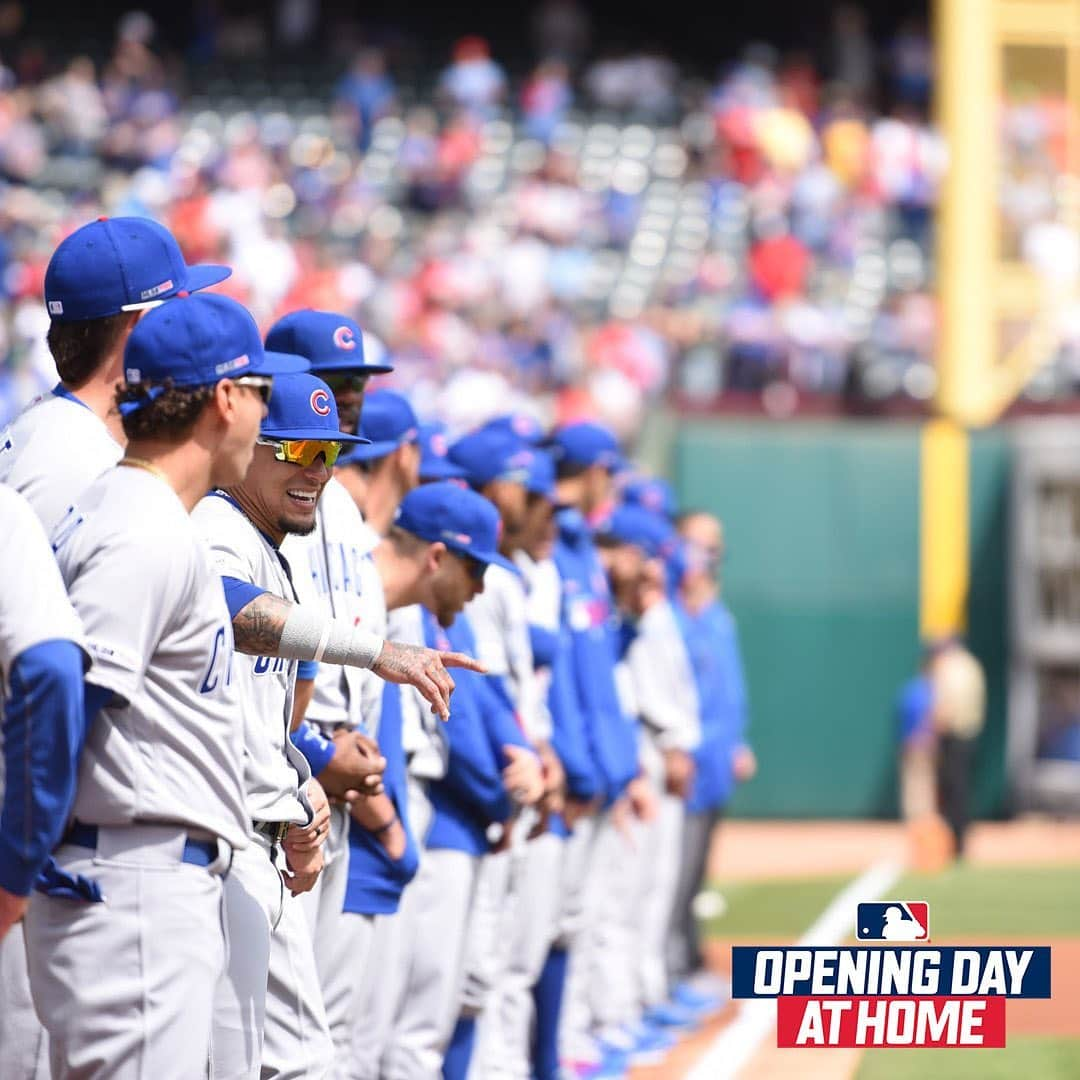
343	380
262	384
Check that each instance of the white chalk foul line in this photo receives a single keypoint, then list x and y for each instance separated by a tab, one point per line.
732	1050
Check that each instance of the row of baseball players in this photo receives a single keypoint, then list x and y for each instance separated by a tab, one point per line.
262	842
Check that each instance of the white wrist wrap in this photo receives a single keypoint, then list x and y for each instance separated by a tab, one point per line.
310	635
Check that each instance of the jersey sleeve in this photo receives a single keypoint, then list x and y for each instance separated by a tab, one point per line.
34	606
126	591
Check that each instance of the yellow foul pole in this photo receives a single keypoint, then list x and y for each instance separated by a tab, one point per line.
966	82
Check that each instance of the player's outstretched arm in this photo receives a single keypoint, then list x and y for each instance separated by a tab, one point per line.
271	626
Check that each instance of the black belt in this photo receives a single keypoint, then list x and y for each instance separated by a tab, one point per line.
274	831
196	852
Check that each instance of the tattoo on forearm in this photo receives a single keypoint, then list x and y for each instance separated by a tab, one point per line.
257	626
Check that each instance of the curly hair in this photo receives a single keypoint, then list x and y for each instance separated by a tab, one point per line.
78	348
166	411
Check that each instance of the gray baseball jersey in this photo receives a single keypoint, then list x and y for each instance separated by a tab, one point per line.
423	736
52	451
168	747
543	607
500	620
663	681
333	568
274	770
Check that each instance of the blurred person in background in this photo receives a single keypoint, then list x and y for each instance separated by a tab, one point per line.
473	81
364	94
915	731
723	758
958	692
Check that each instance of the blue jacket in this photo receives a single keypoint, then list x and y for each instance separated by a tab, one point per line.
376	881
471	796
611	736
713	644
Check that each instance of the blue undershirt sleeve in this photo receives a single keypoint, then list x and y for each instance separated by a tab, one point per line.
44	729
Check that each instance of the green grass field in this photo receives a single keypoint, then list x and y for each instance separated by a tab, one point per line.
964	901
1025	1058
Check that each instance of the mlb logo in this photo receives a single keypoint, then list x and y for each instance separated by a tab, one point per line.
893	920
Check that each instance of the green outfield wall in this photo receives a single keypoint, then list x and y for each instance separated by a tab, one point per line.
822	573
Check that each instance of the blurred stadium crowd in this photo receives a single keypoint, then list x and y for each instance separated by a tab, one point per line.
581	240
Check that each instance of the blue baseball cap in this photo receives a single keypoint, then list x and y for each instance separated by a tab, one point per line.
198	341
521	426
388	421
330	342
541	480
434	448
586	444
302	407
466	522
634	525
120	264
650	493
487	455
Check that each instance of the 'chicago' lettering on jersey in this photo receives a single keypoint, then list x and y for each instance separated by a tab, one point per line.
273	664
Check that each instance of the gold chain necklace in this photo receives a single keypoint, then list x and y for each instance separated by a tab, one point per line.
140	463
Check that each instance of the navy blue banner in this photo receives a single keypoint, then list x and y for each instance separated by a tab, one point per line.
890	971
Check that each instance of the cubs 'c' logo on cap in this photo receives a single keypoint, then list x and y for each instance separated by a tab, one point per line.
320	402
344	338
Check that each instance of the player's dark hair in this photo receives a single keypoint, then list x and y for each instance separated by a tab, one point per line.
170	415
78	348
607	540
567	470
371	464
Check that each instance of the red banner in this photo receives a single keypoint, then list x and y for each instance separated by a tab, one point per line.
890	1022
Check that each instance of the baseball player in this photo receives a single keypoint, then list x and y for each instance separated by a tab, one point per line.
128	936
41	708
499	466
410	577
98	282
345	927
269	1017
723	759
544	885
585	456
534	900
338	705
632	543
93	290
487	759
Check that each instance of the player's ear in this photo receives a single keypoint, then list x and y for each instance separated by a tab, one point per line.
434	556
223	399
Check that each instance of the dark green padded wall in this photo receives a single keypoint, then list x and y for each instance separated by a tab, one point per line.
822	574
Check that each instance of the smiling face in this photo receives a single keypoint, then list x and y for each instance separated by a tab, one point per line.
281	497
